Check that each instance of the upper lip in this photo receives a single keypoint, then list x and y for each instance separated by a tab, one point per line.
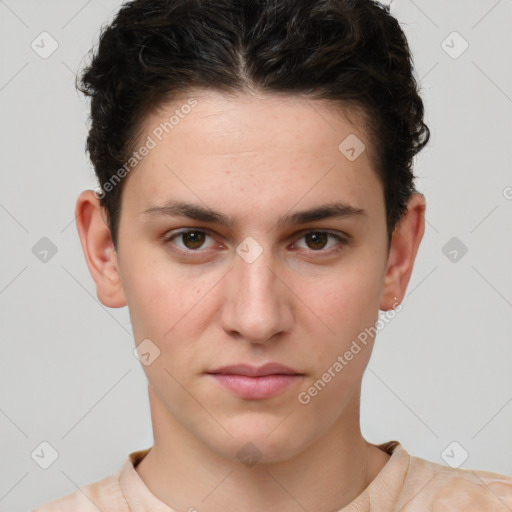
256	371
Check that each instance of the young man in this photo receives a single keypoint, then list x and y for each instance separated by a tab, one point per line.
256	210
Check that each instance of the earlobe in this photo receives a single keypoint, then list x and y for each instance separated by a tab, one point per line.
99	252
405	243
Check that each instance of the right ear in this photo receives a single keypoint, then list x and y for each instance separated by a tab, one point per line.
98	248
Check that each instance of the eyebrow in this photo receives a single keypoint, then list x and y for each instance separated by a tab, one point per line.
174	208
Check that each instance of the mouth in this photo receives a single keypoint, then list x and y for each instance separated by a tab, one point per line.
256	383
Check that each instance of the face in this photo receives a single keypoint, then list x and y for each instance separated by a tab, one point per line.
256	284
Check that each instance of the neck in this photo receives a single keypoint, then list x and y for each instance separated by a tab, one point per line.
186	474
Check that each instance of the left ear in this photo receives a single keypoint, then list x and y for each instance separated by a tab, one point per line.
404	247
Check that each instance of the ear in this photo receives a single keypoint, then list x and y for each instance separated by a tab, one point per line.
99	251
404	247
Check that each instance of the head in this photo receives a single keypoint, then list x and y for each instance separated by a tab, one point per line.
251	112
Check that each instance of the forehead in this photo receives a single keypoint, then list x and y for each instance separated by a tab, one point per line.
231	118
254	149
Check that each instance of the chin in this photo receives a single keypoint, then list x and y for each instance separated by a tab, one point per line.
262	444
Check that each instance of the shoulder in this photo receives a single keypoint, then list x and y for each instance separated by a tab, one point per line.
441	488
105	495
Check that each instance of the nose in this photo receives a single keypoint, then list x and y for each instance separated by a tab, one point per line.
258	303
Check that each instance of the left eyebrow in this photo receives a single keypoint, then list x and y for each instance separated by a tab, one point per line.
198	212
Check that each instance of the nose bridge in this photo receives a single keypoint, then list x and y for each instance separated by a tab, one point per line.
257	276
257	296
254	272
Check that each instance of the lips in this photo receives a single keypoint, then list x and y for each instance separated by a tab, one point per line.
254	371
256	383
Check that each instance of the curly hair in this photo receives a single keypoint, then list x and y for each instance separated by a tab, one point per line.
352	52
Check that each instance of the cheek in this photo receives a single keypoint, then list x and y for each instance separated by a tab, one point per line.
167	307
348	299
152	295
346	306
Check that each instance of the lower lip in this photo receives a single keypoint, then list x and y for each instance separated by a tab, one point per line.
256	388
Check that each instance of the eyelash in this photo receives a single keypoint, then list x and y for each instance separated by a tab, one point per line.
334	250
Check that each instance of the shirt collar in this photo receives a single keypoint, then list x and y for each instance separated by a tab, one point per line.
385	487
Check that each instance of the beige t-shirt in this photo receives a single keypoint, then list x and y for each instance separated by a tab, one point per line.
406	484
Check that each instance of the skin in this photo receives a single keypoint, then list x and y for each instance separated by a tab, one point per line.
254	157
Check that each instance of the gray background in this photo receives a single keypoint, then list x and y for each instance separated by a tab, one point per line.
440	371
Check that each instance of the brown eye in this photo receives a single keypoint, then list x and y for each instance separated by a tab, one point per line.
316	241
191	239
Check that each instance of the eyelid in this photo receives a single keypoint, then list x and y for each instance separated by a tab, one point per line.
333	232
